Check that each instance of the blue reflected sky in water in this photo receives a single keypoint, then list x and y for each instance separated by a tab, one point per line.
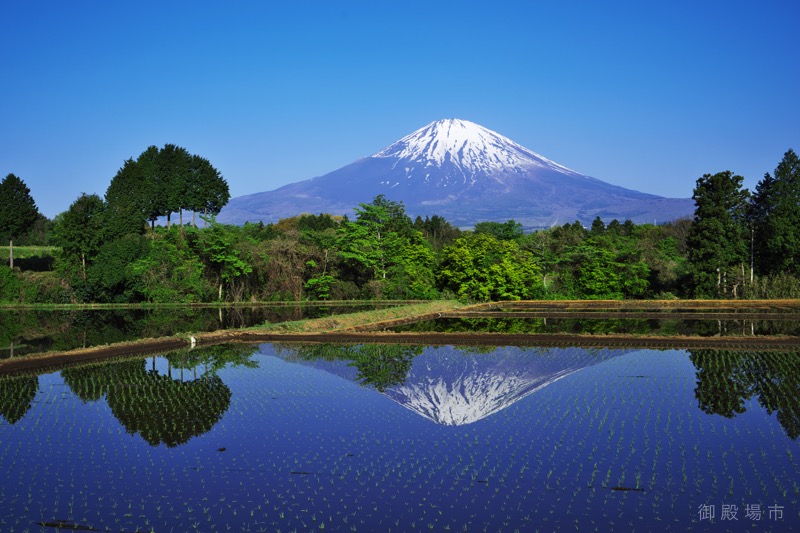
304	446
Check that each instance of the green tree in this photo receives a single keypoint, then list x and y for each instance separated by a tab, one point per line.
382	365
161	182
206	191
111	277
719	236
18	211
217	246
153	186
598	226
727	380
170	271
16	396
776	219
78	230
374	240
602	273
411	276
125	202
173	178
482	267
161	409
506	231
437	231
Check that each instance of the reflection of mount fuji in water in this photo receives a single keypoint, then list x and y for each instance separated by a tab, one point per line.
453	387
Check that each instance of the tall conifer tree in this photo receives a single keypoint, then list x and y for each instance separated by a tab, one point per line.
18	211
776	219
718	238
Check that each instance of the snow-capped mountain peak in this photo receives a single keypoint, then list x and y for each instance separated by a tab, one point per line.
466	174
468	146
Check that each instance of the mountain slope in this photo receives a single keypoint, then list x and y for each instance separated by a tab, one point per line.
453	387
467	174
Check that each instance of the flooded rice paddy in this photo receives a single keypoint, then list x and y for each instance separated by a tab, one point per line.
23	332
377	437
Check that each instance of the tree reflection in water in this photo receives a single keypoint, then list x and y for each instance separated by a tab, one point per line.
379	365
163	408
726	380
16	397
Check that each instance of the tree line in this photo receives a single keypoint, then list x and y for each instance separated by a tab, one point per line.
738	245
747	244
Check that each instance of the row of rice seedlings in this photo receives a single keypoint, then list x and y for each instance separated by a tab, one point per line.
375	471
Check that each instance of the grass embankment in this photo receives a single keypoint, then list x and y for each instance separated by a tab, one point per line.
25	252
338	323
195	305
386	317
367	326
636	305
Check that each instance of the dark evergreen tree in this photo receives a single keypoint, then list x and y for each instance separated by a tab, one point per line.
207	191
153	188
510	230
718	239
18	211
598	226
161	182
125	202
776	219
437	231
174	165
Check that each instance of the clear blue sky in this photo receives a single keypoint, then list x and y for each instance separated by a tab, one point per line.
646	95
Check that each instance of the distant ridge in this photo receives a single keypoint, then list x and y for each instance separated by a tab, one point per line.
465	173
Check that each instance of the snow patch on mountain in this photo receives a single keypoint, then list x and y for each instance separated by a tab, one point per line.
450	387
469	397
469	147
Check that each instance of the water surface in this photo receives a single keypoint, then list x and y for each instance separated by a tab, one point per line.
405	438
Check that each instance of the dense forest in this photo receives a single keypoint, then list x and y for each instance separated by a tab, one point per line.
127	247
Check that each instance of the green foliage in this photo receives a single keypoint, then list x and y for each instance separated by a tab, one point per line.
31	287
599	276
9	285
111	277
727	380
217	246
380	254
319	287
779	285
125	202
505	231
718	237
17	209
171	272
161	182
16	397
379	366
411	277
78	231
382	366
206	190
437	231
162	409
42	287
776	219
373	243
481	267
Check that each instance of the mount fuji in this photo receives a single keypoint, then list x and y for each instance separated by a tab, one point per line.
454	387
467	174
